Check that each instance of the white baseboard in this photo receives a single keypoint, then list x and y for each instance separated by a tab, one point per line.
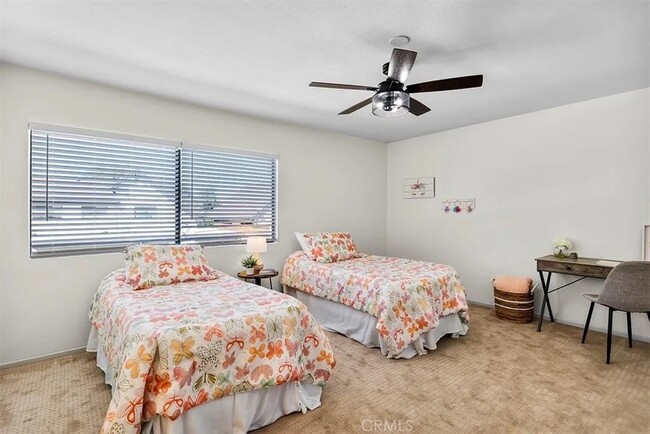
43	357
480	303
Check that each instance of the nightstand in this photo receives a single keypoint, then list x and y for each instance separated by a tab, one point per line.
263	274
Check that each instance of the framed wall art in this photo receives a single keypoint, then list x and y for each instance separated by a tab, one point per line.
419	188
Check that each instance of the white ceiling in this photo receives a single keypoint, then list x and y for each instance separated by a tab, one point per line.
257	58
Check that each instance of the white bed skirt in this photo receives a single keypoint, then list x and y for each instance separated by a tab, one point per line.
238	413
362	327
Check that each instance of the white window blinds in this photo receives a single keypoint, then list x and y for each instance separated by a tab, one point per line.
227	197
95	192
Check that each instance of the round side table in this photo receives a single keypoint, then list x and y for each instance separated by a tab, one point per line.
264	274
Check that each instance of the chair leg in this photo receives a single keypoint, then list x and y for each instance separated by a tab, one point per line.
629	329
609	333
584	333
648	313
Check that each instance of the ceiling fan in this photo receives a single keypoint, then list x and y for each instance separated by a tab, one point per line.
392	97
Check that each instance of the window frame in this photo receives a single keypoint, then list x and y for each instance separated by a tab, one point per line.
175	144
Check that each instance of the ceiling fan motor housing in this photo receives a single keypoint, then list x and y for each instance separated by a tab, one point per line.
390	86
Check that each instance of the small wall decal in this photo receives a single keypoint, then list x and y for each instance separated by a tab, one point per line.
457	206
419	188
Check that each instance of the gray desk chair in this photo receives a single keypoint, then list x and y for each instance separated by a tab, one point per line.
627	288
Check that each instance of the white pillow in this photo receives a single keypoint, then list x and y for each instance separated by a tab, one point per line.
303	243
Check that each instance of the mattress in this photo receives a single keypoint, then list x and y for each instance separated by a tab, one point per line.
406	297
171	349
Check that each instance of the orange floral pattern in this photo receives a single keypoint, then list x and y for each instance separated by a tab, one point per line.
331	246
171	349
407	297
151	265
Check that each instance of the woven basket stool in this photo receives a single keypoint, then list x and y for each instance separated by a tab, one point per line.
514	307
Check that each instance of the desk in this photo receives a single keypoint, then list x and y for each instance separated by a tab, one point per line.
582	267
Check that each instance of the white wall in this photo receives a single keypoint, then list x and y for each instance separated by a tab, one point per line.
579	171
44	302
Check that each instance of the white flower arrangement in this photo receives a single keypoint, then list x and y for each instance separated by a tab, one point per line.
562	243
561	247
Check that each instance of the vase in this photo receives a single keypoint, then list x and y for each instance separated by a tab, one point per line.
250	271
561	252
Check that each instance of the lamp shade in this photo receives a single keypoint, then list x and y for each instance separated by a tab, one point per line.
256	245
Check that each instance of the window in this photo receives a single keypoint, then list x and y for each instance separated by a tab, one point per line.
227	197
95	192
99	194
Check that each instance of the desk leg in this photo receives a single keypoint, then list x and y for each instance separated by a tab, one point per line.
545	302
258	281
548	300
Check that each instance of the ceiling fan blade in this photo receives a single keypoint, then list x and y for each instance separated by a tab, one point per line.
417	108
341	86
447	84
401	62
356	107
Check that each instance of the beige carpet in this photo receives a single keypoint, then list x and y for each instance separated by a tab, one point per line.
501	377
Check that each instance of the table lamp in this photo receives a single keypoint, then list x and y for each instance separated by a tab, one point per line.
256	245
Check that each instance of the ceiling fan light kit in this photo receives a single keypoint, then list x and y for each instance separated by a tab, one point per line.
392	97
390	104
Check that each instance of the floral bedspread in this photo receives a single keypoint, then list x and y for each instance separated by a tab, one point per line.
407	297
174	347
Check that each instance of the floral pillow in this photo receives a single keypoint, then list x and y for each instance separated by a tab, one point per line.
152	265
331	246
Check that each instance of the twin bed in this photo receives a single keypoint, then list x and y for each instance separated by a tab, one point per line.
401	306
240	356
236	354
